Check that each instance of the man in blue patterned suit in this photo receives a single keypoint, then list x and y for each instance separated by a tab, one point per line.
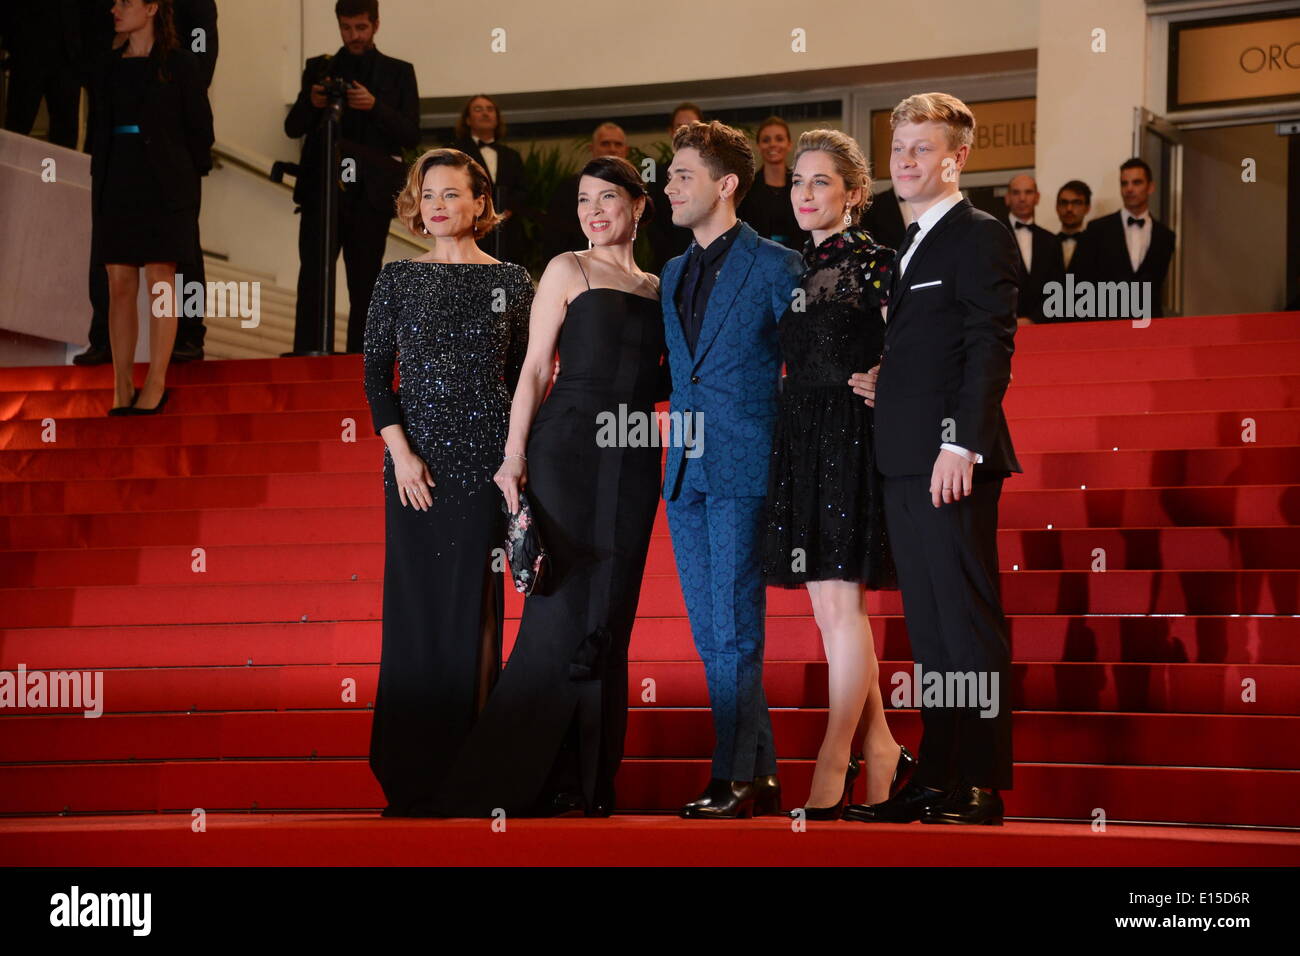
722	300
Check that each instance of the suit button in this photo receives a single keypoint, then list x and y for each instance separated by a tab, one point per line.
695	380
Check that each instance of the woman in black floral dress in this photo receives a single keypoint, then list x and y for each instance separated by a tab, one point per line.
825	527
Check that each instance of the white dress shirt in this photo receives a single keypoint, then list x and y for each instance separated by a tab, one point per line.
1068	245
926	221
1138	238
1024	239
489	152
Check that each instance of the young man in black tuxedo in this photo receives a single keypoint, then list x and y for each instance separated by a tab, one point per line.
1040	252
1073	202
1129	245
381	117
943	447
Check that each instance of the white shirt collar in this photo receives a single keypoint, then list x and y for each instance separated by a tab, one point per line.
1013	219
936	212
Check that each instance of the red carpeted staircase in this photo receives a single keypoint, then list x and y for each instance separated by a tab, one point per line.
1162	689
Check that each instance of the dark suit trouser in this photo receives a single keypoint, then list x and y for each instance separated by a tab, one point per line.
362	235
947	561
190	329
60	87
717	542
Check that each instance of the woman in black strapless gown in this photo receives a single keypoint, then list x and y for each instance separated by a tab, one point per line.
551	737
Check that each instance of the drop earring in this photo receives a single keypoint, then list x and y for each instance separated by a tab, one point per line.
635	223
848	220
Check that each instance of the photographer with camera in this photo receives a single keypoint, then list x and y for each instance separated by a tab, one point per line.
380	117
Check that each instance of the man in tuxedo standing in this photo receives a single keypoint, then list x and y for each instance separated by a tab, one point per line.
1040	251
722	301
1073	202
1129	245
479	134
381	117
943	447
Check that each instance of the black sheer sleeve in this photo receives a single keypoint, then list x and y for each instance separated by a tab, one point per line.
381	353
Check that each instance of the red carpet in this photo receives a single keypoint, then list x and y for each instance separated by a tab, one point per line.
223	688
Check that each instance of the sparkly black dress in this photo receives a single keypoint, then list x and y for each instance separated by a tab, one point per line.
556	720
825	517
458	333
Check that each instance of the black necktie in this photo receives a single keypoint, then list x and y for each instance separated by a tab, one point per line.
908	239
1022	225
1137	222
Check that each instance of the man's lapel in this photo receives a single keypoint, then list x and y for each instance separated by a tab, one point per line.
735	267
924	245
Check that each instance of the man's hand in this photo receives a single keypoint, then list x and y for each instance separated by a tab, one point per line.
360	98
318	96
951	478
864	384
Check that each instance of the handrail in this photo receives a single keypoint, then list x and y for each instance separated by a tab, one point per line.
263	171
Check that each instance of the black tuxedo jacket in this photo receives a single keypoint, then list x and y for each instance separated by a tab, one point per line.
1047	264
509	191
393	125
175	124
1102	255
948	344
884	220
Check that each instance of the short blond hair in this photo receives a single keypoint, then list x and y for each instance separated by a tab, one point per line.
408	200
849	162
937	108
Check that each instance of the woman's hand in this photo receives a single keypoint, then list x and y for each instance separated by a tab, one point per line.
413	481
510	478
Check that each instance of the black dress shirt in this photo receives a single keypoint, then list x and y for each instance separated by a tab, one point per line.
702	268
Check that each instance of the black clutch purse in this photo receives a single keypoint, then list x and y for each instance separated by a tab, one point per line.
524	549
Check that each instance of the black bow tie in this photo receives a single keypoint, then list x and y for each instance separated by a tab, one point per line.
1137	222
480	144
1067	235
1024	225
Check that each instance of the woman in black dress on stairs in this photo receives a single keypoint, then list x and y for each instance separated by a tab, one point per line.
150	137
456	323
825	523
551	737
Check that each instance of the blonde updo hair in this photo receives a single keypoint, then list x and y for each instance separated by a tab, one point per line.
408	200
849	162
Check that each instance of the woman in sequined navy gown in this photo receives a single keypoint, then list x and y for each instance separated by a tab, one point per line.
456	323
825	523
551	737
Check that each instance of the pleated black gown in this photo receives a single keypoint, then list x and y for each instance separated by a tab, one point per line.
556	720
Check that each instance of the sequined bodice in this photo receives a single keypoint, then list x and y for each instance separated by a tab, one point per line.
458	333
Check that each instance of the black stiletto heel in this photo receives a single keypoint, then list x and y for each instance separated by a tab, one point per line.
127	409
903	771
835	812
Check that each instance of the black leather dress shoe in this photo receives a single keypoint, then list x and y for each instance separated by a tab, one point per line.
910	803
729	799
559	805
967	805
188	352
93	356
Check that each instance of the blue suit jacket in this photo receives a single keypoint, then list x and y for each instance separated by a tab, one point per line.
729	386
